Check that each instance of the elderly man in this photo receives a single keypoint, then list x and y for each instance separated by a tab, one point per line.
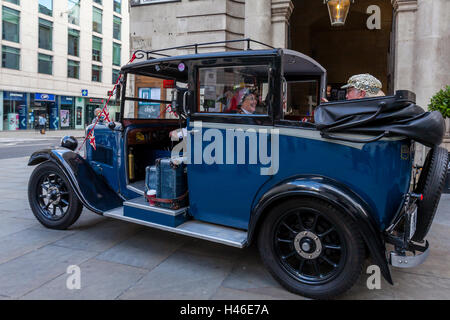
362	86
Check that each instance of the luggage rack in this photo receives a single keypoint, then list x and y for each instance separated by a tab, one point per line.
148	54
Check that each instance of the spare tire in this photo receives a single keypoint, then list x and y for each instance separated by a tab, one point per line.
431	184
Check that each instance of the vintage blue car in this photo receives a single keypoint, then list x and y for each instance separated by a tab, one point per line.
235	147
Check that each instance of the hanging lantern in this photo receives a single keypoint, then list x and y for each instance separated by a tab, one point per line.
338	11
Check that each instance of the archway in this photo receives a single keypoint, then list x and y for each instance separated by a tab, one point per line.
348	50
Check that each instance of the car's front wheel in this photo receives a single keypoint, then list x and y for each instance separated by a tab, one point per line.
52	198
311	248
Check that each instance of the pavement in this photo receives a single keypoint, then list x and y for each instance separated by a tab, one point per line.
35	134
120	260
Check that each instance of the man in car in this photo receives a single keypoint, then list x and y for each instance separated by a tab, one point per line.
362	86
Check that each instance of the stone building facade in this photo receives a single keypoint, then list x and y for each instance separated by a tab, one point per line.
59	60
409	49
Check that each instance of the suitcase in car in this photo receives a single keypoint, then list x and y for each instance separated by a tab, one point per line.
168	177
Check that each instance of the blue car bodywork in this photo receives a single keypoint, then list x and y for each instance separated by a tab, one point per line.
367	181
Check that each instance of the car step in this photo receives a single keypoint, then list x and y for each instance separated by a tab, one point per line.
193	228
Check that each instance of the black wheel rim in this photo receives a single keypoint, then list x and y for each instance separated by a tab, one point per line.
52	196
309	247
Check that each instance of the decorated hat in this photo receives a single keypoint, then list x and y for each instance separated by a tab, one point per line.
364	82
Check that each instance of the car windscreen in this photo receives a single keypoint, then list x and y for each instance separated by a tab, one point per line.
150	97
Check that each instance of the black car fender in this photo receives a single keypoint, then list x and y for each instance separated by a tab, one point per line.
336	194
91	188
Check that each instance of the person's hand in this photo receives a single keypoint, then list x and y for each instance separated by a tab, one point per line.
323	100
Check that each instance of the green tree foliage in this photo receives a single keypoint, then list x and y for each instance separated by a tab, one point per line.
441	102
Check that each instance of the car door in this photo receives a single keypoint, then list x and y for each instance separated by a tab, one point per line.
230	141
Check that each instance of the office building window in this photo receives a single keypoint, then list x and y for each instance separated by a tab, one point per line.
117	6
96	48
45	64
96	73
10	24
98	1
116	54
115	75
74	43
117	27
46	7
97	19
10	57
45	34
73	69
74	12
14	1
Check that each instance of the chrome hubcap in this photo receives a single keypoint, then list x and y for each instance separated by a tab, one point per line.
308	245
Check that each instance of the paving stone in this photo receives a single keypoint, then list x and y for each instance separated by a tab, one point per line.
232	294
32	270
443	211
10	225
22	242
100	236
146	249
211	249
181	276
99	280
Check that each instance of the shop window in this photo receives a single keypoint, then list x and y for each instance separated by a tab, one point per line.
242	90
117	28
97	20
45	64
73	69
116	54
10	24
96	73
14	110
73	43
45	34
115	75
73	15
96	48
46	7
10	57
118	6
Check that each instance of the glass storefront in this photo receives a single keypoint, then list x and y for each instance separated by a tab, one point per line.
14	110
67	112
45	104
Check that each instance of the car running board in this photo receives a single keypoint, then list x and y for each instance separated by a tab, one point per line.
193	228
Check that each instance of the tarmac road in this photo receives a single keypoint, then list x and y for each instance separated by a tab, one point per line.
15	148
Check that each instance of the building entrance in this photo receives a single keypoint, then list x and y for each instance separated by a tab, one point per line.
357	47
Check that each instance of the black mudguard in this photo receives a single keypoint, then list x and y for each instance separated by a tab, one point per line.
91	188
337	195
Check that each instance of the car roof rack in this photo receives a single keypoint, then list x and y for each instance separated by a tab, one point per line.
148	54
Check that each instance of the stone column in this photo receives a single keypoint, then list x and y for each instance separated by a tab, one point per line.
258	24
281	12
405	29
432	65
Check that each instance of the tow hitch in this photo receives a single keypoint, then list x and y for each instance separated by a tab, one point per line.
401	233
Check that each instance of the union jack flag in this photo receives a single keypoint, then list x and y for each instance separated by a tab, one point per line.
91	138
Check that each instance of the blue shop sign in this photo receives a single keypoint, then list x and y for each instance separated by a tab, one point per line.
67	100
14	96
44	97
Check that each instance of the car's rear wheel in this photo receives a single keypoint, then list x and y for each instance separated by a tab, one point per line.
431	184
311	248
52	198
